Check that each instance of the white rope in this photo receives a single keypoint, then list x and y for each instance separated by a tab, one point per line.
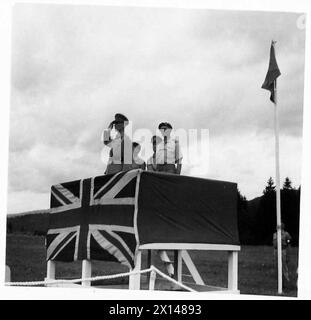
107	277
57	281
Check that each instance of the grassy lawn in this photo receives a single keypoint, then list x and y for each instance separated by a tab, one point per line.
25	255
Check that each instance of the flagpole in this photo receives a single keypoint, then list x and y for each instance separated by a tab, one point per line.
278	191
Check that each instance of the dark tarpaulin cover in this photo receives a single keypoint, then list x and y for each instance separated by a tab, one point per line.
181	209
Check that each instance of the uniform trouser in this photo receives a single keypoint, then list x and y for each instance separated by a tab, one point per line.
285	261
114	168
169	168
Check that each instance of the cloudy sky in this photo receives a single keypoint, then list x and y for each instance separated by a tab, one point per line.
74	67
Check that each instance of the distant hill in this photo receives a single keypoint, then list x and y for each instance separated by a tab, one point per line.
253	206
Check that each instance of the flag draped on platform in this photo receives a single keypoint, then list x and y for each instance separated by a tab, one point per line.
93	219
107	217
272	74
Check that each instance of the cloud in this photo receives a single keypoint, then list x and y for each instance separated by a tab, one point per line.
43	165
19	201
249	160
74	67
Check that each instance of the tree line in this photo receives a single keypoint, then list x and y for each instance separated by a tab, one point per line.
257	218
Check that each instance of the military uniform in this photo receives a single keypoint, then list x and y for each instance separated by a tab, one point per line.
117	160
137	163
168	155
285	241
151	163
120	147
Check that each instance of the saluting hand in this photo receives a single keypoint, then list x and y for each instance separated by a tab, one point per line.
111	125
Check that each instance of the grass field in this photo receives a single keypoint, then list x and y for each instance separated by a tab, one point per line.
25	255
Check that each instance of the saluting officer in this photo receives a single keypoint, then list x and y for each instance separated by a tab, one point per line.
120	146
168	154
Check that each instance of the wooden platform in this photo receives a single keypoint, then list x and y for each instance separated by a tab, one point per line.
181	256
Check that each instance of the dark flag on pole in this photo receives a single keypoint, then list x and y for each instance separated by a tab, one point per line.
272	74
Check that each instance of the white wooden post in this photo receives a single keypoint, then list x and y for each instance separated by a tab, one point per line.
152	279
7	274
233	270
149	259
51	267
86	272
134	280
149	263
50	273
178	267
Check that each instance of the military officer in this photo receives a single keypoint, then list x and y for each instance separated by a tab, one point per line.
168	154
120	146
151	162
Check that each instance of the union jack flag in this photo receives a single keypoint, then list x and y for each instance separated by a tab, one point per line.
94	219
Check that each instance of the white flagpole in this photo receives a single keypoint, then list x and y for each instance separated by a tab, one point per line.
278	191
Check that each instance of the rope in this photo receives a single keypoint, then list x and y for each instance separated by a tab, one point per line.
55	281
107	277
171	279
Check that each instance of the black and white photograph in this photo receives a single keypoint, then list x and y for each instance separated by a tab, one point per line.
155	149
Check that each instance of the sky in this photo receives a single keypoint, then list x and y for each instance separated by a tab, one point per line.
74	67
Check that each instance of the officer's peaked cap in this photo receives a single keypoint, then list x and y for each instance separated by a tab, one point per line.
165	124
119	117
